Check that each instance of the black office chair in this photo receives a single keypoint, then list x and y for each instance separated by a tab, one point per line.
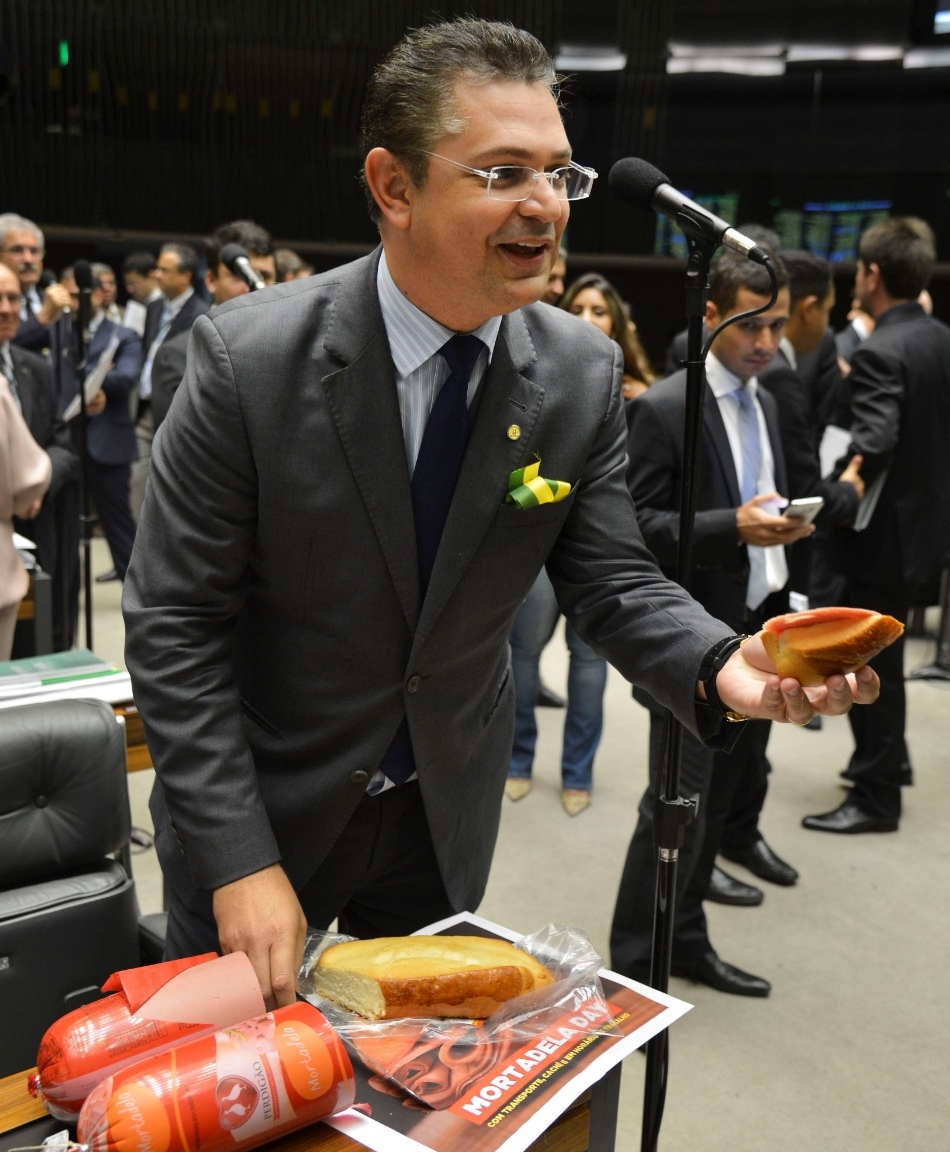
68	908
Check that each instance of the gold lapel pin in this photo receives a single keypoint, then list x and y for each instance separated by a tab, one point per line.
514	432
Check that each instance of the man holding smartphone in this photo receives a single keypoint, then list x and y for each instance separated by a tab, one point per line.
739	573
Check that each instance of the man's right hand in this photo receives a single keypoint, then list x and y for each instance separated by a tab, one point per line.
261	916
56	300
852	475
756	524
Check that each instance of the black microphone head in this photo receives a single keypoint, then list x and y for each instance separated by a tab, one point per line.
634	181
230	254
82	271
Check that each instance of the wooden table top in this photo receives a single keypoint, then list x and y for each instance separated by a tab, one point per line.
17	1108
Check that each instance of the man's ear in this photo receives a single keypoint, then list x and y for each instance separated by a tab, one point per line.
390	185
872	277
712	315
805	304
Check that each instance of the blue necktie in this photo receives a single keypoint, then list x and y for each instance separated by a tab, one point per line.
751	444
758	587
433	485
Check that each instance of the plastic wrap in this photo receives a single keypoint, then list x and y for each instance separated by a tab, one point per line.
437	1060
240	1087
152	1008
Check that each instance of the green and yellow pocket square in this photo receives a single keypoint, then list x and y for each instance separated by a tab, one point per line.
527	489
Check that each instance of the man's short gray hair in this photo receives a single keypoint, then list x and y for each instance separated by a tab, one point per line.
12	222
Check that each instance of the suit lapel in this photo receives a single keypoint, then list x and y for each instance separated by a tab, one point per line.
26	385
721	452
362	401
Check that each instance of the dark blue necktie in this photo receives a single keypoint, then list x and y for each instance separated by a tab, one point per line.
433	485
440	454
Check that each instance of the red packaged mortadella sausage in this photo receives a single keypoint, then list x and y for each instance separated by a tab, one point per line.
151	1008
238	1088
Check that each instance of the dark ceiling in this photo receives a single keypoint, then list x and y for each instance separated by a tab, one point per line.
171	115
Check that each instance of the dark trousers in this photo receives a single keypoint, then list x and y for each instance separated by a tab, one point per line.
715	776
878	731
380	878
109	484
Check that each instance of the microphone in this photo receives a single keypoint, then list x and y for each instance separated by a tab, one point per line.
82	271
638	183
234	258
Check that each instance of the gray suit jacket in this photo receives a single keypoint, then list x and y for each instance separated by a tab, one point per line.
275	634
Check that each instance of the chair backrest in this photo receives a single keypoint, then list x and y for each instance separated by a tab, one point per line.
68	911
64	798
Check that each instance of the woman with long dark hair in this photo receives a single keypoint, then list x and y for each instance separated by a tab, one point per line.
595	299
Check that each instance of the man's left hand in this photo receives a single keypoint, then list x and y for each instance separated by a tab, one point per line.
749	683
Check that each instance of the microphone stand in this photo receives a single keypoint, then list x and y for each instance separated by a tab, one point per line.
62	346
675	813
86	517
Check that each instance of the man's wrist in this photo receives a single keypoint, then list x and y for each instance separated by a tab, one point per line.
709	669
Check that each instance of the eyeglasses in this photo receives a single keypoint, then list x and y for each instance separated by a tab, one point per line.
24	249
513	183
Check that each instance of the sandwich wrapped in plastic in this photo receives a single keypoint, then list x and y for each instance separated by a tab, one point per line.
437	1060
151	1008
241	1086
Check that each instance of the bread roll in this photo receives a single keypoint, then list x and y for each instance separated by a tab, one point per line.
394	976
811	646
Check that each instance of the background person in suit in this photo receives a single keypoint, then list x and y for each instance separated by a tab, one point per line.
110	431
738	573
138	274
900	422
22	248
301	631
55	527
223	285
175	312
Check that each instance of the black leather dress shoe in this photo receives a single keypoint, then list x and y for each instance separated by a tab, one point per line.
107	577
763	862
849	820
723	977
547	698
726	889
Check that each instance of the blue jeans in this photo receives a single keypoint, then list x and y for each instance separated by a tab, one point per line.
586	681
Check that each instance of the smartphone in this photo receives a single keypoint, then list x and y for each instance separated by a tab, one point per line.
805	509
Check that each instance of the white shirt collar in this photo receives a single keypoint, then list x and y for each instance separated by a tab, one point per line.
722	381
414	337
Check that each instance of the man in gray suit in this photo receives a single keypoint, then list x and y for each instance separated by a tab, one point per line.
328	705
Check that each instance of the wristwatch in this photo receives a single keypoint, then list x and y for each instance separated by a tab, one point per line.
709	670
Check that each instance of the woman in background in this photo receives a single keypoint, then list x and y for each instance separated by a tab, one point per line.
596	300
25	472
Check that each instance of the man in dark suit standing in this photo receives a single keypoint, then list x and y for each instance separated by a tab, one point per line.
894	555
738	573
223	285
336	536
110	432
180	306
34	389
